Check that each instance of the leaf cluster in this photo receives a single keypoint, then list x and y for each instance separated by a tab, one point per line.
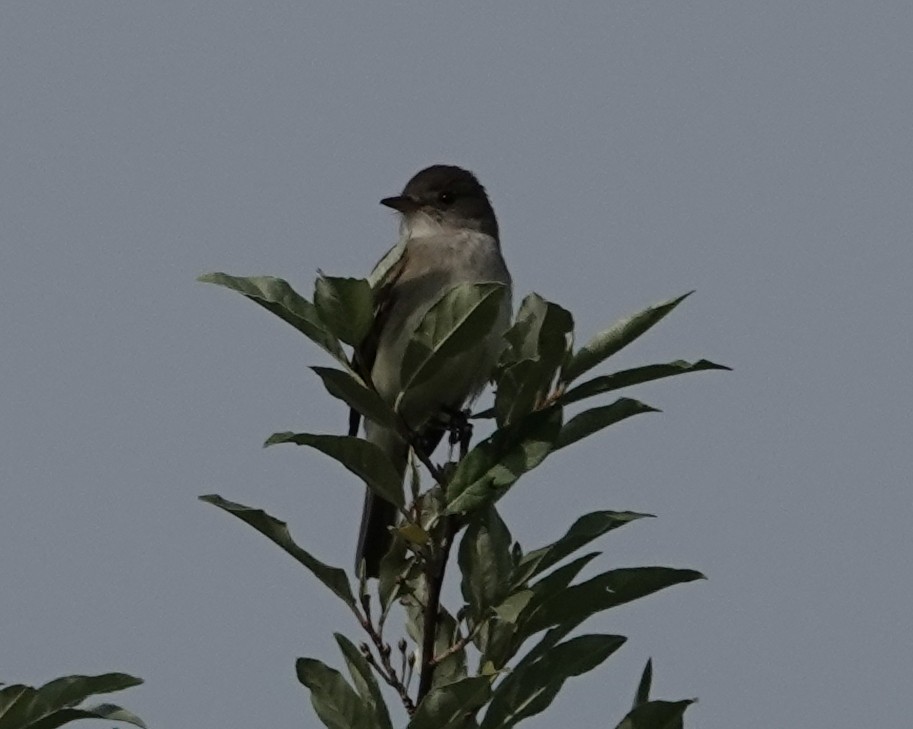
57	703
504	654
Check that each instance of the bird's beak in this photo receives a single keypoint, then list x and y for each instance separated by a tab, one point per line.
402	203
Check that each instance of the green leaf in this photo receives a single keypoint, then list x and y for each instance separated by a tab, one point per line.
53	704
583	531
275	295
519	390
529	689
334	700
602	592
390	258
485	561
447	707
656	715
457	322
107	712
356	394
495	464
595	419
642	695
453	667
346	307
619	335
635	376
497	643
278	532
365	683
540	329
364	459
513	605
536	346
71	690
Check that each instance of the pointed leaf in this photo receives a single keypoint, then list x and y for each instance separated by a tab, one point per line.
656	715
107	712
536	346
72	690
278	532
390	259
458	321
583	531
530	689
595	419
519	390
364	459
447	707
275	295
334	700
636	376
356	394
497	643
642	696
346	307
619	335
365	683
453	667
493	466
485	562
602	592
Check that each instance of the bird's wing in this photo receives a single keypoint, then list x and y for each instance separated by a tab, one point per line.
384	299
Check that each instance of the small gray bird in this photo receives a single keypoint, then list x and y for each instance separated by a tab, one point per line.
448	236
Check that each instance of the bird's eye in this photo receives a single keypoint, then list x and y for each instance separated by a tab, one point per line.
445	197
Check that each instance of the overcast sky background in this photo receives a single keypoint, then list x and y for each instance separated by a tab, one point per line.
760	153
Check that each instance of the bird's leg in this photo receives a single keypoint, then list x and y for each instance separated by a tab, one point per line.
460	429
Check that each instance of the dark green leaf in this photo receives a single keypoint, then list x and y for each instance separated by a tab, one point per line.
519	390
656	715
275	295
513	605
277	531
453	667
53	704
484	561
457	322
497	643
364	459
447	707
528	690
107	712
604	591
365	683
539	330
635	376
352	390
71	690
595	419
392	567
493	466
334	700
642	696
583	531
346	307
619	335
536	346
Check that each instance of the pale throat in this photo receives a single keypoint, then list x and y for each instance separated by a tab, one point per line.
421	225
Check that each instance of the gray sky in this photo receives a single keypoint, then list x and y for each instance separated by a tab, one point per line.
758	152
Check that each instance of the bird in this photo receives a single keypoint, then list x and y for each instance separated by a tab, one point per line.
448	236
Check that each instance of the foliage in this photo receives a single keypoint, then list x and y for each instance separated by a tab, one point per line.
505	653
56	703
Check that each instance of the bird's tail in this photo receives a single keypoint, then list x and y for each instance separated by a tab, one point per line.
378	515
